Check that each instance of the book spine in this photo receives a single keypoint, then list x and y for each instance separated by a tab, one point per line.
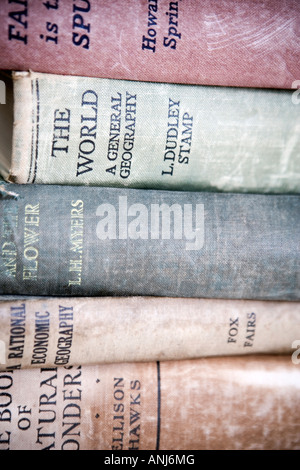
55	332
150	135
240	403
76	240
252	44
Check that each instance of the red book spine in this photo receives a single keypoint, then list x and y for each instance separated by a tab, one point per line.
249	43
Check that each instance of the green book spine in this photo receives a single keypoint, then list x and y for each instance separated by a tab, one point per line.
101	132
81	241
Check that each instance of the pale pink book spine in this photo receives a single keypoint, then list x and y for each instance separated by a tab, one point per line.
246	43
222	403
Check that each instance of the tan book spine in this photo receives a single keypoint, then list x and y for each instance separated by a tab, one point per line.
243	402
52	332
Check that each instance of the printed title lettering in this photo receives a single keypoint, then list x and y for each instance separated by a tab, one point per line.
19	22
172	33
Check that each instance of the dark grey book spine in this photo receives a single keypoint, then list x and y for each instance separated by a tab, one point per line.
87	241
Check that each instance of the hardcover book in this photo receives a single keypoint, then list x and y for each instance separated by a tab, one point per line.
53	332
245	43
92	131
237	403
88	241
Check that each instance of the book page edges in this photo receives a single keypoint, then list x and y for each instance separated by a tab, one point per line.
6	123
22	128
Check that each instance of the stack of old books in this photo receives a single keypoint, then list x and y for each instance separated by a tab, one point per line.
150	225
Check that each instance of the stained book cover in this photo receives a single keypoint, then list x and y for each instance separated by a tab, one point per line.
53	332
249	403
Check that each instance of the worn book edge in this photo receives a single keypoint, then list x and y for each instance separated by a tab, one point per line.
22	142
16	144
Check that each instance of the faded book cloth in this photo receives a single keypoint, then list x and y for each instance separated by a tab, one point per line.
58	240
120	133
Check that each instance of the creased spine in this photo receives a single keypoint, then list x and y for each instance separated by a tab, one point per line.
243	403
65	332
